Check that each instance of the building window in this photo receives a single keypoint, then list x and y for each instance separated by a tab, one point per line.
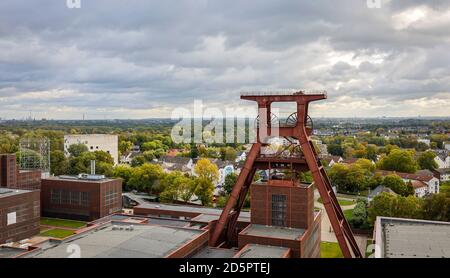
55	196
279	208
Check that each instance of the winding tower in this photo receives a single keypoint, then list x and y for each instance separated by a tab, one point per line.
299	155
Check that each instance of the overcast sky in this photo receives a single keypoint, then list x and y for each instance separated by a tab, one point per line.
141	59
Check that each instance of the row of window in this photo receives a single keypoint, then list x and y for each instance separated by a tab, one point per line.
66	197
111	196
279	208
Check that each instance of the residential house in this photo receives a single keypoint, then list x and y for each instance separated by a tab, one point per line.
443	174
242	156
429	181
332	159
420	188
425	141
177	163
447	146
442	158
378	190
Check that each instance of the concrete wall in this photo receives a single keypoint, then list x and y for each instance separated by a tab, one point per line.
95	142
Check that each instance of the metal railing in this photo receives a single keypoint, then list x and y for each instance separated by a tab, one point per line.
287	92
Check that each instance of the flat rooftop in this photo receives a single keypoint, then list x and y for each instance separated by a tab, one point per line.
8	252
195	209
7	192
410	238
206	218
144	241
211	252
256	251
76	179
273	232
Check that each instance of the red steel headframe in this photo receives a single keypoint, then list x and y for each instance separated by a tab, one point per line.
225	229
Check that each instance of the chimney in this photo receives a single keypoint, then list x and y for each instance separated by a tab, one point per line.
92	167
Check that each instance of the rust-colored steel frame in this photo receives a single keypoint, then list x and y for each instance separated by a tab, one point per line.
225	229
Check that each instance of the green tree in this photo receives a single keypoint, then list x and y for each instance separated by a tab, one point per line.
335	149
146	178
204	190
125	147
388	205
366	164
194	151
437	207
124	172
400	161
228	153
138	161
176	186
397	185
76	150
426	160
359	215
205	169
102	156
59	164
230	181
104	168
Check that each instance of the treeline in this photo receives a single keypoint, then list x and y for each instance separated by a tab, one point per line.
174	186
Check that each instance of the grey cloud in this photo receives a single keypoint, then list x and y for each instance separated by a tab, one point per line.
154	55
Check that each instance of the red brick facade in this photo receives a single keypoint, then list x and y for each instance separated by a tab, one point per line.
298	213
299	201
80	199
8	170
19	216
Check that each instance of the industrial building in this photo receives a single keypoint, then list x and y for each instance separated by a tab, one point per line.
122	240
8	170
95	142
83	197
283	215
12	177
19	214
411	238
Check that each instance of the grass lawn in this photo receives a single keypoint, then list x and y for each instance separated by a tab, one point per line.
62	223
368	253
342	202
444	187
348	213
330	250
57	233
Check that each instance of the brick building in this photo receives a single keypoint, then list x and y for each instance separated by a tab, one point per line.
12	177
19	214
82	198
8	170
283	215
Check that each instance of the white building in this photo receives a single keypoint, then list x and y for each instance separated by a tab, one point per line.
95	142
442	159
423	184
447	146
242	156
425	141
420	188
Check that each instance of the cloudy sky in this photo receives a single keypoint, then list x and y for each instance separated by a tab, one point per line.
140	59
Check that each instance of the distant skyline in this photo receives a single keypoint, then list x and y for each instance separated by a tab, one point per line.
115	59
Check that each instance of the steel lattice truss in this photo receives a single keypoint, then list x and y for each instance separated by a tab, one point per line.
34	153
